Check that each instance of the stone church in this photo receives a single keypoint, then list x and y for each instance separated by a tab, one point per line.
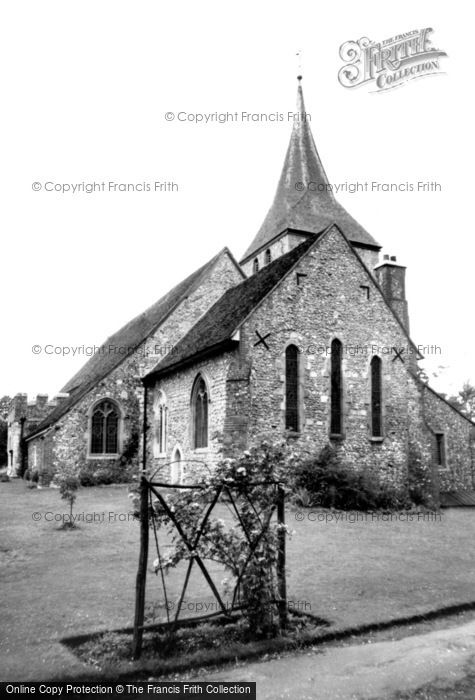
307	337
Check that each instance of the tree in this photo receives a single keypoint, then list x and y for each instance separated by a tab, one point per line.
3	442
68	484
4	409
464	400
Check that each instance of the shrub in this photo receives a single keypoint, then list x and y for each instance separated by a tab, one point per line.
97	473
325	481
45	477
131	450
419	481
303	497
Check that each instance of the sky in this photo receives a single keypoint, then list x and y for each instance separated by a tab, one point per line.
86	95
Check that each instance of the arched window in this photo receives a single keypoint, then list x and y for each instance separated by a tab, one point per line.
292	388
440	450
336	418
160	411
105	428
268	257
376	398
200	400
255	265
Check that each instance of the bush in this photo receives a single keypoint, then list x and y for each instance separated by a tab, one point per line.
302	497
248	549
97	474
419	479
324	481
45	477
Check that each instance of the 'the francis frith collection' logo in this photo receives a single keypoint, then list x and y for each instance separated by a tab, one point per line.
389	63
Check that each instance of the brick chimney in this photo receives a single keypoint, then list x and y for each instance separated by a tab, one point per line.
41	401
59	398
19	407
392	280
16	423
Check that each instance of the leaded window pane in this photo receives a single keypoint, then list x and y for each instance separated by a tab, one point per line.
105	429
376	398
201	415
292	388
336	422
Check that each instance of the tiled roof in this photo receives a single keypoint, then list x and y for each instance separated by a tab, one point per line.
218	325
303	200
131	336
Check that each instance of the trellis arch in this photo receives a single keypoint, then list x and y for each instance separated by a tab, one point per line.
232	492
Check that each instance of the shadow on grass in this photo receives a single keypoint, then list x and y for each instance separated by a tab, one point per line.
67	526
195	644
156	667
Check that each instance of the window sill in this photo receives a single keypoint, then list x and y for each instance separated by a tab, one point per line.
200	450
376	440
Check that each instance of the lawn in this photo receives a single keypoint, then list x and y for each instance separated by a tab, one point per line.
58	583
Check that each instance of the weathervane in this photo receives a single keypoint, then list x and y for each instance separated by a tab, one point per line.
299	64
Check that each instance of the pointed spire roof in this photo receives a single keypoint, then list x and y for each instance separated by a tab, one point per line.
304	200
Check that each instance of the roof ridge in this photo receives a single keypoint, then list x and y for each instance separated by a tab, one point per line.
98	368
263	281
287	262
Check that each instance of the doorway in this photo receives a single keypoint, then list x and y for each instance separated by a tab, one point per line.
176	470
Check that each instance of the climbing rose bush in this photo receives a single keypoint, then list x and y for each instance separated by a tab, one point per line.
248	548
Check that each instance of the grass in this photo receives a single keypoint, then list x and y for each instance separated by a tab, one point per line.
356	573
57	583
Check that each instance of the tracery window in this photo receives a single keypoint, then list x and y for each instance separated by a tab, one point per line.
160	410
105	428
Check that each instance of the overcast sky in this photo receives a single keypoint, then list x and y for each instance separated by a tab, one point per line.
85	95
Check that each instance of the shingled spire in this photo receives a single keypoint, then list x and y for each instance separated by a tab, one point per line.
304	202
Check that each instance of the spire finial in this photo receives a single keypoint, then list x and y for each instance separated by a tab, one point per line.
299	65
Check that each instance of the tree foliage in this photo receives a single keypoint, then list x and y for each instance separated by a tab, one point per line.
68	484
464	400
